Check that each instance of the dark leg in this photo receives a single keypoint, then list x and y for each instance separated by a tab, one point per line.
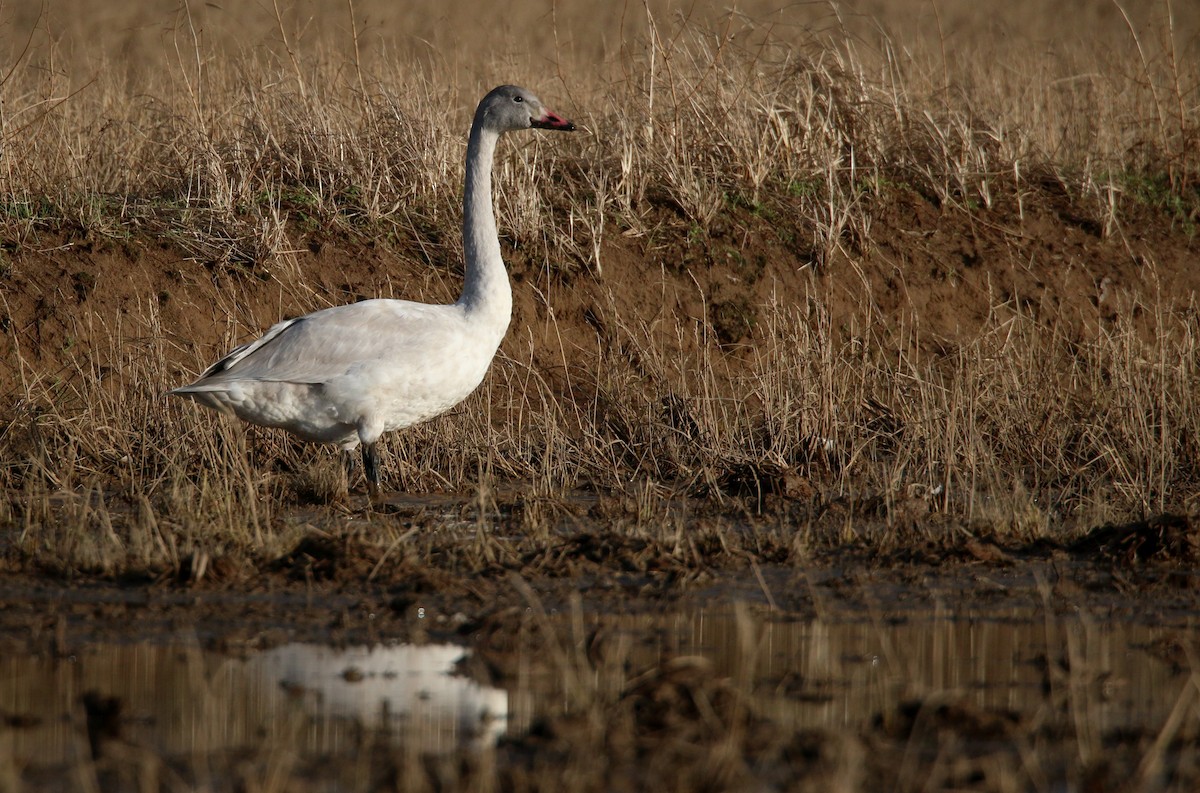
371	469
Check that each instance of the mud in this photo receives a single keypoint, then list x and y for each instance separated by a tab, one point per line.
339	590
604	655
988	669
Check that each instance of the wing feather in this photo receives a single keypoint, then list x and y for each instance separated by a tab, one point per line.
239	353
326	344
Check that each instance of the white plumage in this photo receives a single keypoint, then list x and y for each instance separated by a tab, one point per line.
350	373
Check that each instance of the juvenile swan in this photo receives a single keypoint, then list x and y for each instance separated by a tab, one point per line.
348	374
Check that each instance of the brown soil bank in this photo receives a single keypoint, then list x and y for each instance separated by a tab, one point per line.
929	278
722	363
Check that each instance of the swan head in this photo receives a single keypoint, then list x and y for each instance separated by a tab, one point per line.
511	107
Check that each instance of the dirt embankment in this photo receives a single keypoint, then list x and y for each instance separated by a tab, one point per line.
84	310
77	301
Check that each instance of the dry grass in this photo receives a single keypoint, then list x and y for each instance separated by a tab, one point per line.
228	153
235	156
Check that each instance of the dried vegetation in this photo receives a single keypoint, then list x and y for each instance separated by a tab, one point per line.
828	280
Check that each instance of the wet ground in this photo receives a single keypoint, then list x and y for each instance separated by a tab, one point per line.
174	698
992	669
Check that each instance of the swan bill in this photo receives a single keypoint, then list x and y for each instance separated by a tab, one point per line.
552	121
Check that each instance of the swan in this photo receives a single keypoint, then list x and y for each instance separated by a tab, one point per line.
348	374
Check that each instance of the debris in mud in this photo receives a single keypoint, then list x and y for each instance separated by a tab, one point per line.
316	558
201	567
1163	539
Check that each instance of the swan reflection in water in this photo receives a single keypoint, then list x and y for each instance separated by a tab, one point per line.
407	690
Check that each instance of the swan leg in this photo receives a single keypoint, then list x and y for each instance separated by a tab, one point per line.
370	457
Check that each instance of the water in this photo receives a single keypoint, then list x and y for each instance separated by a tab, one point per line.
177	700
838	675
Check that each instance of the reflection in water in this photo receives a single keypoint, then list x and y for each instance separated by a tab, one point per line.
406	689
838	675
831	676
180	700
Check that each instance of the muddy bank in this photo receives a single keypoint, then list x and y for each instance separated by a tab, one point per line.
985	668
608	656
450	585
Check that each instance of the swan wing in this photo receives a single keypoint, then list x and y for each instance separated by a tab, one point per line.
318	347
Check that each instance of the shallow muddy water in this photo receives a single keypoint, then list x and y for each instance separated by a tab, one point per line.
1095	678
821	675
178	699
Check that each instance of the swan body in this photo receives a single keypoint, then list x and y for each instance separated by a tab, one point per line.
348	374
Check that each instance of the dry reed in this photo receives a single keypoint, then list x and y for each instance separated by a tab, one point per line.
1025	425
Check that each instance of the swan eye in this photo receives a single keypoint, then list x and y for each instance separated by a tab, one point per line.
518	98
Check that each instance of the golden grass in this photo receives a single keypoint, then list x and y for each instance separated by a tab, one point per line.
232	142
208	137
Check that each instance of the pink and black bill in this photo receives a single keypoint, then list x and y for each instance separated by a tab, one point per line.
552	121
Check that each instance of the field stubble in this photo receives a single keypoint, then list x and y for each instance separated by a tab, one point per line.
803	290
840	290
